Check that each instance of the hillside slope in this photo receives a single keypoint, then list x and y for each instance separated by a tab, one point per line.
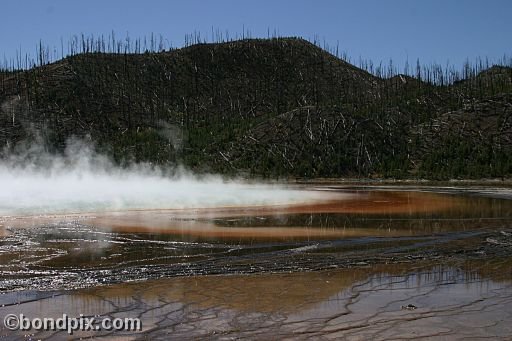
277	107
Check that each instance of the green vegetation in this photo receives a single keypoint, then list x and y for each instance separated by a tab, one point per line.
279	107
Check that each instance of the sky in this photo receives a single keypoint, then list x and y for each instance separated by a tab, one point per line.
448	31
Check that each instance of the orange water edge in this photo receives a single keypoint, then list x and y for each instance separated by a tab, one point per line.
197	222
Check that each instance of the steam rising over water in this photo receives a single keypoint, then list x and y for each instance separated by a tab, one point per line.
83	181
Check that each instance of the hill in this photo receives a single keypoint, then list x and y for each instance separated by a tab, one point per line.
274	107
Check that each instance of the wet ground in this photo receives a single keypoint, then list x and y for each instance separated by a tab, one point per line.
365	263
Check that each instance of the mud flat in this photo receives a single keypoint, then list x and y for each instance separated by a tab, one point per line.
380	262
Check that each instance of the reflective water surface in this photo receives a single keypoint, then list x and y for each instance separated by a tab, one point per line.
346	266
449	302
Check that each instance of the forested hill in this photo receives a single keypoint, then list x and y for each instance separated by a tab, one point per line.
271	107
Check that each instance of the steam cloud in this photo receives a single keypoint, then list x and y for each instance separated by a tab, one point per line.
80	180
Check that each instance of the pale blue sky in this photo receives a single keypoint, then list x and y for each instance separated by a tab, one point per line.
434	30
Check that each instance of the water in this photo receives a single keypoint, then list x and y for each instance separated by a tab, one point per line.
340	264
450	303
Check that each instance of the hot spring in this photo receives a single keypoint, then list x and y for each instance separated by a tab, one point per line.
195	256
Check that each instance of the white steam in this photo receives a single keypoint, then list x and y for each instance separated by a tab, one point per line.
80	180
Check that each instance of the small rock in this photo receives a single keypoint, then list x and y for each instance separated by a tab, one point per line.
409	307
